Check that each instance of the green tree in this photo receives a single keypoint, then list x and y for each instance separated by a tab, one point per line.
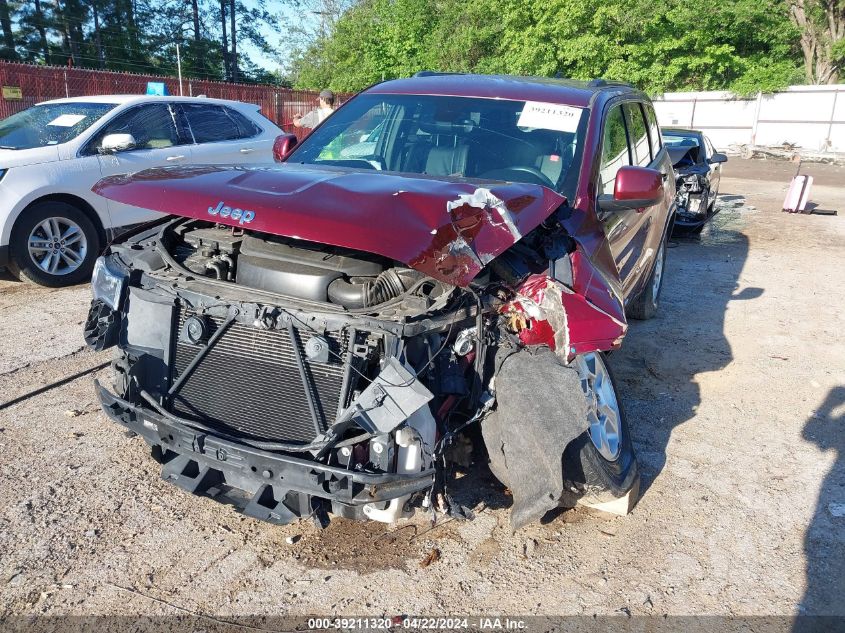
33	24
375	39
7	44
658	45
137	35
822	31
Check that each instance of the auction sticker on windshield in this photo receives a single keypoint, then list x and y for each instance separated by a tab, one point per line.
549	116
67	120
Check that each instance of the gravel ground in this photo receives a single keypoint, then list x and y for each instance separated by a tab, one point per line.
736	397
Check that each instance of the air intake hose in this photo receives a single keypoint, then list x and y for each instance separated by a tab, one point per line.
386	286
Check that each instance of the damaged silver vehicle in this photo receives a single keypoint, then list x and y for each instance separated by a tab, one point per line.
313	338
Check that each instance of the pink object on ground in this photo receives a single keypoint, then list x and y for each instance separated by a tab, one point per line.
798	194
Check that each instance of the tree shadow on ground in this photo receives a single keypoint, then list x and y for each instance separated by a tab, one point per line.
824	540
660	360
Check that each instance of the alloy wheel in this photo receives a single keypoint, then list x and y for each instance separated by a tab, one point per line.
658	273
57	245
603	414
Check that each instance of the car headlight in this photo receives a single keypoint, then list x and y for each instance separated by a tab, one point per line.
3	173
107	282
692	183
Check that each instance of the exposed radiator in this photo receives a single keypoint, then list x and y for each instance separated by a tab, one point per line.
249	383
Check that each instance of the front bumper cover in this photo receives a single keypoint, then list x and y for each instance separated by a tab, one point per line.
269	486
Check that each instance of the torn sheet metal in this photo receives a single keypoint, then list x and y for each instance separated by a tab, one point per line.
483	199
540	409
565	321
540	301
479	224
446	228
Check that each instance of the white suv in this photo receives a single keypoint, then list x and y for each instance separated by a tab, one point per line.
52	227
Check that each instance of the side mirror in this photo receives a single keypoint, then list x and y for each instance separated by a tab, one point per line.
113	143
635	188
283	145
717	158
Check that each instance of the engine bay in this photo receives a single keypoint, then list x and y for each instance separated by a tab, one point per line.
295	268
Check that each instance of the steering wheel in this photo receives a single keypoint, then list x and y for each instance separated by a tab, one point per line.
520	173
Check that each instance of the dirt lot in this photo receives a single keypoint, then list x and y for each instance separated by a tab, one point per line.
736	396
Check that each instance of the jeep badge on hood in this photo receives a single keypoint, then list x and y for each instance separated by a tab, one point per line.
224	211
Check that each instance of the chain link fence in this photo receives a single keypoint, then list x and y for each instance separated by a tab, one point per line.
25	85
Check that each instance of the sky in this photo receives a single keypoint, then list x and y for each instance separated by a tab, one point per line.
275	34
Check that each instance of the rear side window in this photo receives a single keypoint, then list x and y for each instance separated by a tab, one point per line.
246	127
639	135
614	148
212	123
653	129
710	149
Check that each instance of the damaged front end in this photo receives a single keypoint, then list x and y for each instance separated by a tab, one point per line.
691	186
294	379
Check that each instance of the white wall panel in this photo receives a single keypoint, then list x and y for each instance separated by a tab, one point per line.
735	113
799	115
797	106
673	113
837	138
839	115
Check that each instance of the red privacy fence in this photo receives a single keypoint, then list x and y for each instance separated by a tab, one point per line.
25	85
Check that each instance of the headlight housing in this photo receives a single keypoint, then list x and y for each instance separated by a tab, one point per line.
3	173
107	281
692	183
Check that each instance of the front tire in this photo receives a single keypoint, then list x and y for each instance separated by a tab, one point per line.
645	305
600	464
53	244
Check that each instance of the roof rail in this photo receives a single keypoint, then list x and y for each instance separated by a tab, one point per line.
434	73
601	83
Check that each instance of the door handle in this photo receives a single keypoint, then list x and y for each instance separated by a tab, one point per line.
174	158
247	150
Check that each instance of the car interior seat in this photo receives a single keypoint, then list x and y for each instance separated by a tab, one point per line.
556	151
151	131
444	152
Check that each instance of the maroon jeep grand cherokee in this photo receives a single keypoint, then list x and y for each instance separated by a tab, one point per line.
441	264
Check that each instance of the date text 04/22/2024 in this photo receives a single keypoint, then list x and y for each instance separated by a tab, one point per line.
418	623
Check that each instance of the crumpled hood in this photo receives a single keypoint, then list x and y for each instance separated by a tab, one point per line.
679	153
21	157
446	228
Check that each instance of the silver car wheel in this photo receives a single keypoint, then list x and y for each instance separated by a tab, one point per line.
658	272
57	246
603	413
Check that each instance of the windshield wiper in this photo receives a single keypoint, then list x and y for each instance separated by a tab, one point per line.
7	147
